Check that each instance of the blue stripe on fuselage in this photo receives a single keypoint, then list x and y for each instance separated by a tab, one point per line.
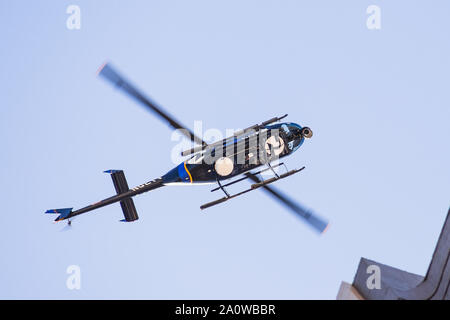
182	173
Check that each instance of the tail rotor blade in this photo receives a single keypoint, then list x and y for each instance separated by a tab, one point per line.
67	227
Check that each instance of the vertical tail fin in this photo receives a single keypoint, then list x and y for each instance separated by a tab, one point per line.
63	213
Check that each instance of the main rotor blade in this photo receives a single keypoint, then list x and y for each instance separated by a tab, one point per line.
313	220
108	72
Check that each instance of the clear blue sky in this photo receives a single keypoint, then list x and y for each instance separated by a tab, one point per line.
377	166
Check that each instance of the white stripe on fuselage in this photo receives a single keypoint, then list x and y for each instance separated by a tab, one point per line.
187	183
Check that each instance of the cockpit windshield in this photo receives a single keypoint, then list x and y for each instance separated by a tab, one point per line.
291	133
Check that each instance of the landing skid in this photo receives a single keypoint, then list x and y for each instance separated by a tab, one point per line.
244	178
252	187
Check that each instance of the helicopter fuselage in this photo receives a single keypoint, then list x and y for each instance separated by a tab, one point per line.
237	154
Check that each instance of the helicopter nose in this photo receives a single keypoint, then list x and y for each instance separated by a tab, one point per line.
307	132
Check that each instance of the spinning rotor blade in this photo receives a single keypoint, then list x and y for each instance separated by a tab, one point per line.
314	221
110	74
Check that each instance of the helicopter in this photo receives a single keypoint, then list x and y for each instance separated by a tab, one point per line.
246	155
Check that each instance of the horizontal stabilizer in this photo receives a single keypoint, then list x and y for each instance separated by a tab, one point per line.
63	213
121	185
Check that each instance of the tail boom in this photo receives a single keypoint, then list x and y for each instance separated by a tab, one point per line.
67	213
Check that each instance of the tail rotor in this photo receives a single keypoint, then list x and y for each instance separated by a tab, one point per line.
68	226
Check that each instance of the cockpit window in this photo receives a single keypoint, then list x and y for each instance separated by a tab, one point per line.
291	133
294	136
296	143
